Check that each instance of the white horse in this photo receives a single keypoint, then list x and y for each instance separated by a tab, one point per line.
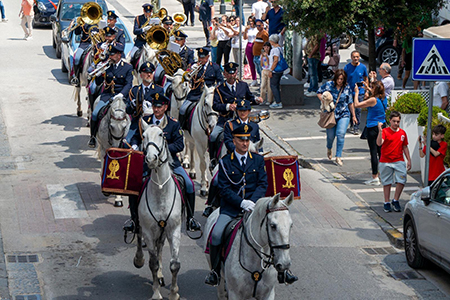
113	128
147	54
203	121
159	211
265	233
83	82
180	89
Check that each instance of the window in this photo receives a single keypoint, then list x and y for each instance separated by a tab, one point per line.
443	191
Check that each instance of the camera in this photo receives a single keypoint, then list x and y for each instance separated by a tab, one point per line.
359	84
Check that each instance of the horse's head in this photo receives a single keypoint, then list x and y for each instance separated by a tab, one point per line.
148	54
155	145
207	111
276	228
119	121
254	147
180	87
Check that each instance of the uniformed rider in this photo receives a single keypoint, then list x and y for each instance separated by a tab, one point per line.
186	53
242	181
117	82
174	137
112	20
226	96
140	30
209	75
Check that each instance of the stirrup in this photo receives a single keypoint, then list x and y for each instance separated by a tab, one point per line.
74	81
215	281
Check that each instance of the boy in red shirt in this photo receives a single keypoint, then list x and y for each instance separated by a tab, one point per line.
438	149
394	144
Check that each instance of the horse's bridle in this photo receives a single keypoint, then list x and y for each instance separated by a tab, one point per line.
159	151
112	136
205	116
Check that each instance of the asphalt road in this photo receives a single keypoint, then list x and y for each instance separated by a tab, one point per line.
78	252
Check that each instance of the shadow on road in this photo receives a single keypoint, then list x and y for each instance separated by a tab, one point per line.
60	76
70	122
50	52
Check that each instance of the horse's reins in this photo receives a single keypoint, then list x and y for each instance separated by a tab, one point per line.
205	116
159	153
256	275
112	136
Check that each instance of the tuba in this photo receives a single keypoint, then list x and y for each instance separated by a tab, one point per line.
90	13
170	61
157	37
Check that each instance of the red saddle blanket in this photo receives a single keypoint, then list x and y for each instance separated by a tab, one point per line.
122	171
229	235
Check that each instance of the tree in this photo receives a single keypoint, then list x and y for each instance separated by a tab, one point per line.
309	17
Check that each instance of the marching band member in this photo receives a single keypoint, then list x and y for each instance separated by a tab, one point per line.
226	96
186	53
117	81
112	20
140	31
167	23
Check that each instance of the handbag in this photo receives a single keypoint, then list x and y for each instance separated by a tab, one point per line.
327	120
281	65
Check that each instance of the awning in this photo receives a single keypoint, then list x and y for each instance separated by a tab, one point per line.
439	32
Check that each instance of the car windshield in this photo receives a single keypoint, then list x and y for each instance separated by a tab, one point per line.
69	11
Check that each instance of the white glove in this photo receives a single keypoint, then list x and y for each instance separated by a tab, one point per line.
247	205
135	147
147	104
119	95
133	102
146	28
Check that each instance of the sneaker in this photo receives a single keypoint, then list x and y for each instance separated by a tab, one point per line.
374	181
276	105
192	24
329	154
356	131
339	162
25	37
306	85
311	94
387	207
29	38
5	20
396	206
254	83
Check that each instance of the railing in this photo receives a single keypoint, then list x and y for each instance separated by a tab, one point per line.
397	93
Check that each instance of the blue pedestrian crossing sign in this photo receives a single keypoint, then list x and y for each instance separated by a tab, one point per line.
431	59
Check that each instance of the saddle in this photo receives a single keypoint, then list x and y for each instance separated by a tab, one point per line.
229	234
135	59
103	111
186	119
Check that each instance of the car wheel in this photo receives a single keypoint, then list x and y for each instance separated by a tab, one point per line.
58	51
413	256
33	23
388	54
346	41
63	67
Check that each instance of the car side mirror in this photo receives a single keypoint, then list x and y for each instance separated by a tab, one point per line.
426	195
52	18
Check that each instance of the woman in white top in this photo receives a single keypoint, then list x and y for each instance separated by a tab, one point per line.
440	95
223	33
250	35
235	40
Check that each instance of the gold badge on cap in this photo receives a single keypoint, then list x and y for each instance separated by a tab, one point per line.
231	65
242	103
148	65
157	96
245	128
201	50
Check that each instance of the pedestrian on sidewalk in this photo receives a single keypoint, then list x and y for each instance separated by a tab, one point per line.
250	35
376	113
236	36
26	14
440	95
274	16
206	13
258	8
261	37
275	77
438	150
356	72
2	10
213	38
386	78
237	11
265	75
394	144
188	6
223	33
313	55
343	102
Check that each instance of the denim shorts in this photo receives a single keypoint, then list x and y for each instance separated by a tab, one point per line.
389	170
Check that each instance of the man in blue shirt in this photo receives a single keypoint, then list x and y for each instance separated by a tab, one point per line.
206	13
275	18
356	72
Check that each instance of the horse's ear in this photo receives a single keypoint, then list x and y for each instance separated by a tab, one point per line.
171	78
289	199
275	200
259	144
144	125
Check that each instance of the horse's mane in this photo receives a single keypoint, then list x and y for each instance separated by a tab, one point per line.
261	207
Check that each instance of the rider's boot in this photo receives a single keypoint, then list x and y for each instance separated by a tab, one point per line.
191	224
213	198
212	154
94	129
286	277
133	225
74	79
213	278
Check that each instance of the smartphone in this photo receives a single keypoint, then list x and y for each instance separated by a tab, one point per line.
359	84
420	139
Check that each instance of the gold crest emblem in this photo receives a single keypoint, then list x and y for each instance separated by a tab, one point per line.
148	65
201	50
245	128
242	103
288	175
113	168
231	65
156	96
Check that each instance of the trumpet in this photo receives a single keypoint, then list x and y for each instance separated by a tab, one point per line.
100	69
195	68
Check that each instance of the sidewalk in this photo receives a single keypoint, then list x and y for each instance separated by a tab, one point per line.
296	130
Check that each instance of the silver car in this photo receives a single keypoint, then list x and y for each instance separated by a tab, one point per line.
426	225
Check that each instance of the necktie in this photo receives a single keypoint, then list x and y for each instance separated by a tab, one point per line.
157	122
243	161
232	89
147	90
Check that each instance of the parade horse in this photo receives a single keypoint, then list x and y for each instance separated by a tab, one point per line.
83	81
159	211
180	89
113	127
259	250
202	121
146	54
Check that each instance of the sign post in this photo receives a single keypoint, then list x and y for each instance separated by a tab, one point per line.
431	62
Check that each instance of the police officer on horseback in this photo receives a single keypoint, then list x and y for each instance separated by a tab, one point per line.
209	74
141	26
174	137
226	97
186	53
112	20
117	81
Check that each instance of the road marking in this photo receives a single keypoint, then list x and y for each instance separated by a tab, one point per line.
343	158
66	201
380	189
319	137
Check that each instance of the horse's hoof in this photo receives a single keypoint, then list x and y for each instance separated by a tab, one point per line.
174	297
80	113
192	175
138	264
106	194
203	193
118	204
161	281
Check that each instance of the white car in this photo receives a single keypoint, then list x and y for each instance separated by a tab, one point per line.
426	225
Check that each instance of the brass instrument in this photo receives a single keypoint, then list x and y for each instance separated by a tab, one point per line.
170	61
179	19
161	14
90	13
195	68
98	36
157	37
100	69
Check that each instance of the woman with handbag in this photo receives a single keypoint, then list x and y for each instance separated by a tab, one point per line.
223	33
344	109
278	66
376	104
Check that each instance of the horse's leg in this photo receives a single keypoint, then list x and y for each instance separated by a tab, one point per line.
78	100
159	248
201	150
221	291
174	242
139	259
154	267
118	202
192	147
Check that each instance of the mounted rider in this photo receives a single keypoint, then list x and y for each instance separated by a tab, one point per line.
186	53
140	30
174	137
112	20
226	97
209	74
117	82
